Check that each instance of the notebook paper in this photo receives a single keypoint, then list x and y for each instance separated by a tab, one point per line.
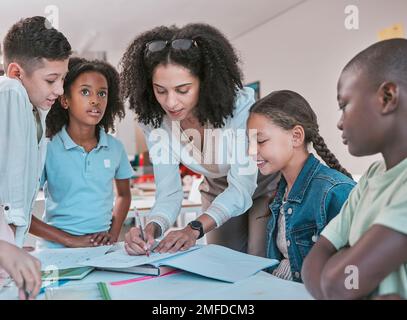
65	258
210	261
120	259
220	263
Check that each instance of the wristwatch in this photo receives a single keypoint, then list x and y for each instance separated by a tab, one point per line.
197	225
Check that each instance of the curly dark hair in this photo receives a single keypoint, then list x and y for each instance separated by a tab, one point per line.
288	109
58	116
213	60
31	39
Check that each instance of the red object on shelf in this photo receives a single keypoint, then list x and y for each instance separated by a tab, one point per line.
187	172
144	178
141	160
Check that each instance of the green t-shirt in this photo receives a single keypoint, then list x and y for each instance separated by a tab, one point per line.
379	198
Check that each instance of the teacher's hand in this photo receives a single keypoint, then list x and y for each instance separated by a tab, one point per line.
134	243
179	240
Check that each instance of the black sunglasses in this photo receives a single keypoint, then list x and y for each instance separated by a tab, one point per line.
177	44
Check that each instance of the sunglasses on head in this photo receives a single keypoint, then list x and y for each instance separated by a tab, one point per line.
177	44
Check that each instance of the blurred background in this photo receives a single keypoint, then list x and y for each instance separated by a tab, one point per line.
300	45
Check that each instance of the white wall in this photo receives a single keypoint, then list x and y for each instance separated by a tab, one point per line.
305	50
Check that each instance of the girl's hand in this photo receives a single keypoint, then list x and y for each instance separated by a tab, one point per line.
178	240
103	238
135	245
23	268
79	241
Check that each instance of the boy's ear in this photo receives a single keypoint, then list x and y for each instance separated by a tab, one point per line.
14	70
298	136
389	97
63	101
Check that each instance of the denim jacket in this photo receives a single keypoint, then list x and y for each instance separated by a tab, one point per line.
316	197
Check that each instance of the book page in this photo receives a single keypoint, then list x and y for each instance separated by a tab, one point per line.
220	263
65	258
121	259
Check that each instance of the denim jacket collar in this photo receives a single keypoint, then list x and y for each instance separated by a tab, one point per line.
301	183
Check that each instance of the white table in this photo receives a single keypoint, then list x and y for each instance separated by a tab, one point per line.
186	286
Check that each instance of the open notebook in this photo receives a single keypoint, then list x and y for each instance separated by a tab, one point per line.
63	264
145	269
211	261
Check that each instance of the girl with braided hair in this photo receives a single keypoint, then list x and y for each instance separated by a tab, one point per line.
186	83
309	194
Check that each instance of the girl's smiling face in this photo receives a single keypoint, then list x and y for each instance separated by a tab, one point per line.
270	145
86	100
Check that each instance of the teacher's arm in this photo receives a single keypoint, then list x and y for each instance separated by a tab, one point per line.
233	201
168	197
242	180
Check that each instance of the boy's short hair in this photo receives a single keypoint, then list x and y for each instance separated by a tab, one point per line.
383	61
31	39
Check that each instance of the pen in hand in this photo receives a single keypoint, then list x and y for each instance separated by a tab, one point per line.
138	222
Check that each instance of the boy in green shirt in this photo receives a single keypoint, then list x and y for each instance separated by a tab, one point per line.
362	251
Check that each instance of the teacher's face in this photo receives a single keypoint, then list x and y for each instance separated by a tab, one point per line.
176	90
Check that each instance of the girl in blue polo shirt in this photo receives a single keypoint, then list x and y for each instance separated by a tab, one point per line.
83	161
309	194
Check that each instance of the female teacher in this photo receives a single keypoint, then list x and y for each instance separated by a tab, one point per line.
185	86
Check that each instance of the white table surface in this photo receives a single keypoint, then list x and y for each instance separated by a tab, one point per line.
262	286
